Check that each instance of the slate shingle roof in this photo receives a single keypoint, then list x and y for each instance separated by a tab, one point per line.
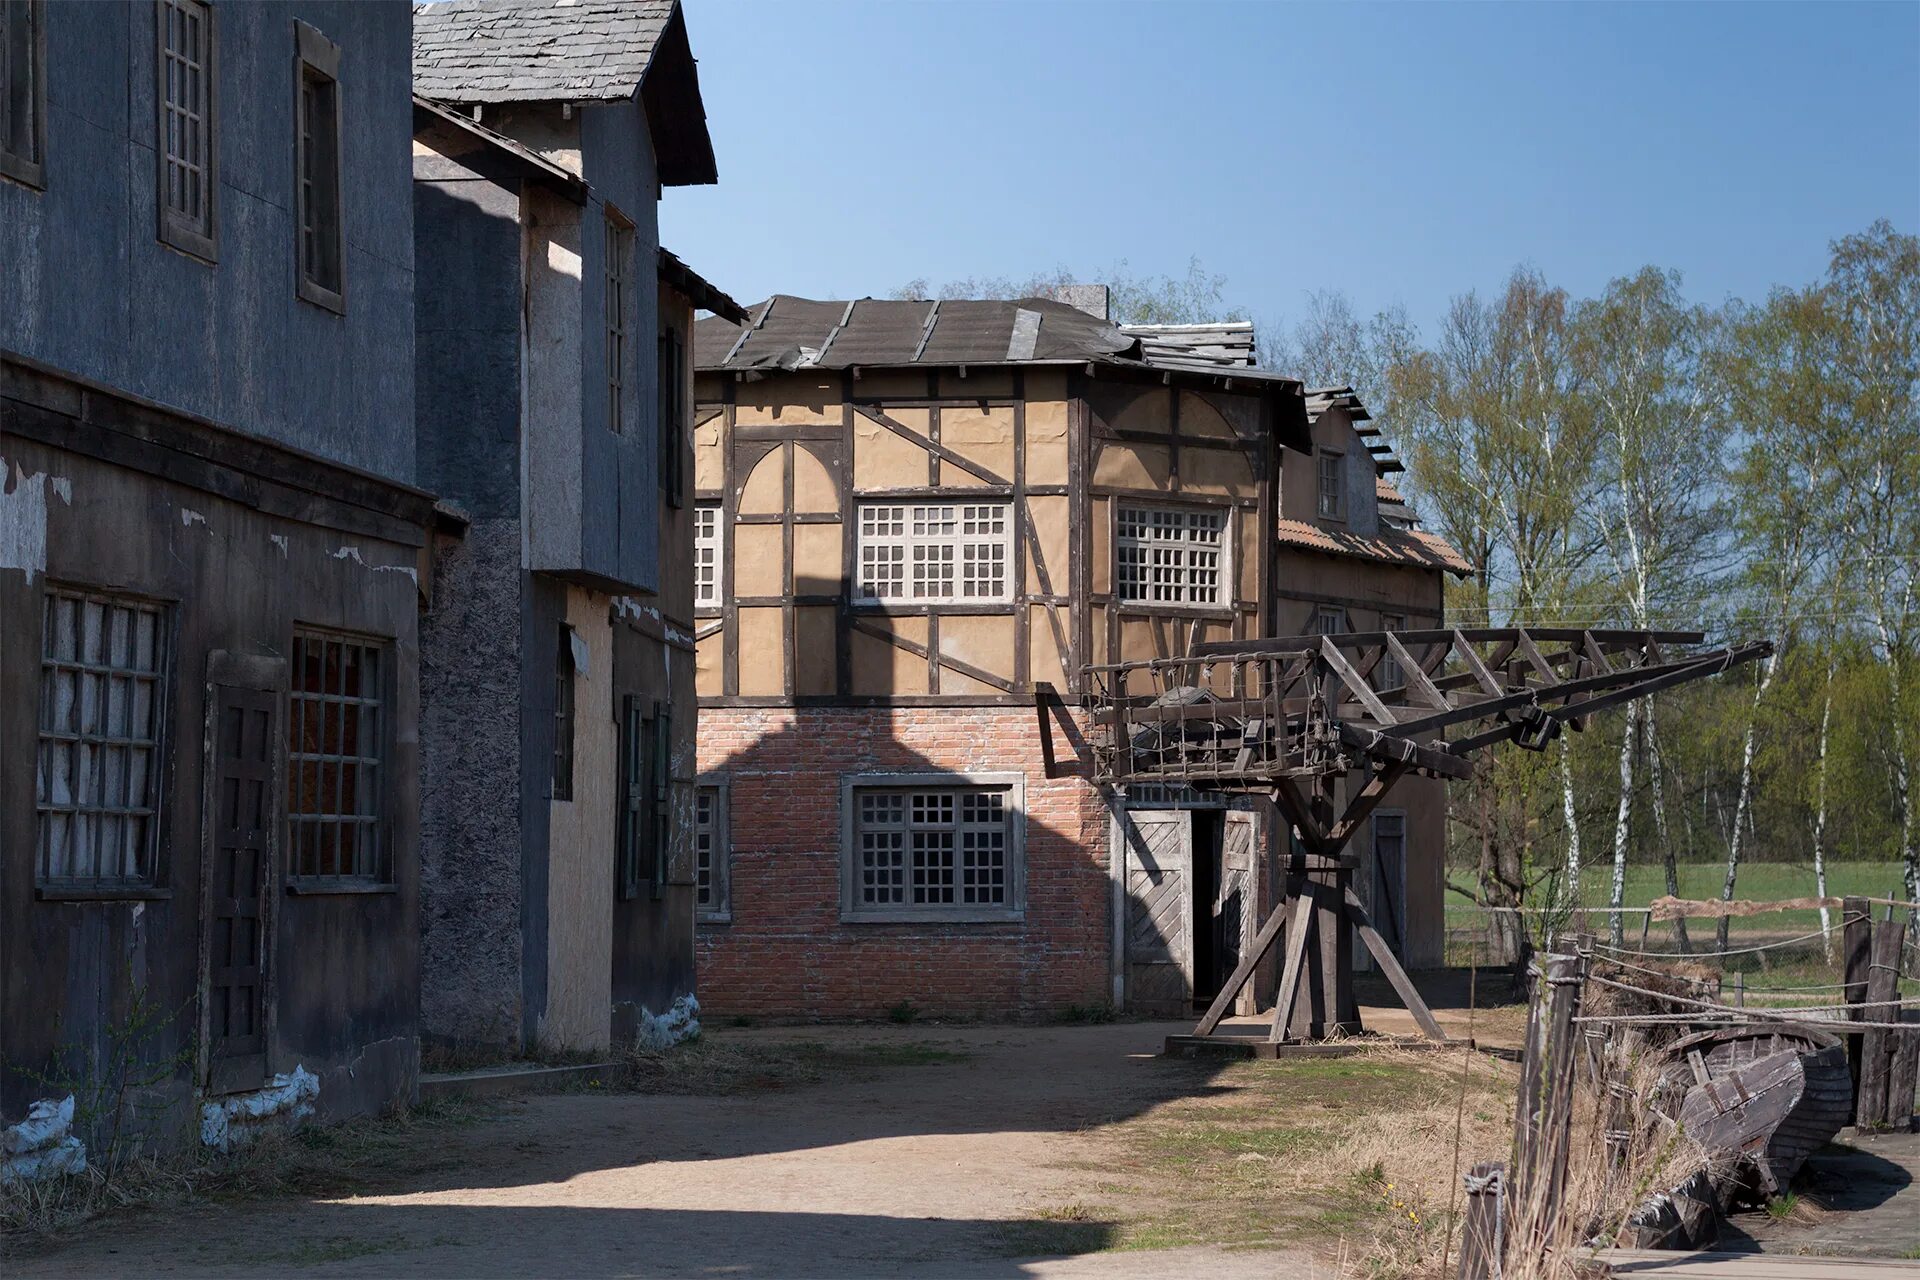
535	50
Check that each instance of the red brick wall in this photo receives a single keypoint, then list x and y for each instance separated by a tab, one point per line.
788	953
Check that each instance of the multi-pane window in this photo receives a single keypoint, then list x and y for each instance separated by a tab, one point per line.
1331	479
1387	674
646	735
186	151
317	167
671	368
1171	555
619	297
707	550
712	894
917	848
1329	622
563	678
103	713
934	552
22	89
336	718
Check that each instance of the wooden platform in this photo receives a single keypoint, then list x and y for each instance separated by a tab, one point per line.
1751	1266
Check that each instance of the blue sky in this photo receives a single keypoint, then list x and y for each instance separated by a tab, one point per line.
1402	153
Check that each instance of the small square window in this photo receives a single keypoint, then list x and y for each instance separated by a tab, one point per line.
187	148
23	90
1387	675
1329	622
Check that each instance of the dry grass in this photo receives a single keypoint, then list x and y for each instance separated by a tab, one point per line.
1353	1158
353	1157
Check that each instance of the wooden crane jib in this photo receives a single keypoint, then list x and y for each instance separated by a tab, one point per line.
1289	718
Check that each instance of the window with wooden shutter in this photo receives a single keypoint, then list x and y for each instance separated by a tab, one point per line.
673	412
646	733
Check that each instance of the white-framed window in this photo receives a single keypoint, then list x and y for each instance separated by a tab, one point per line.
104	666
1171	555
1387	675
23	90
713	882
1331	478
708	546
933	847
1329	621
336	749
935	552
187	152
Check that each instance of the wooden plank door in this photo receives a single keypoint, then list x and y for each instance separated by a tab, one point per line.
240	823
1381	883
1159	910
1234	906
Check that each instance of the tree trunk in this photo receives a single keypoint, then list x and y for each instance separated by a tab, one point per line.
1623	820
1820	811
1745	802
1657	776
1570	892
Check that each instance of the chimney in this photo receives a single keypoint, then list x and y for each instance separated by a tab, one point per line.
1090	298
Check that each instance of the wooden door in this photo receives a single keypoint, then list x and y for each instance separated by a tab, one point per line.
240	823
1234	922
1381	883
1159	910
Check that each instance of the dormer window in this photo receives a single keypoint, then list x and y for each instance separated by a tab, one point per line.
1332	484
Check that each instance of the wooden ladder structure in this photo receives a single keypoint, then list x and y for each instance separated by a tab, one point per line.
1289	718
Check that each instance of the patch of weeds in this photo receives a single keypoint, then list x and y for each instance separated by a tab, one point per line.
1780	1208
1057	1230
1098	1013
904	1012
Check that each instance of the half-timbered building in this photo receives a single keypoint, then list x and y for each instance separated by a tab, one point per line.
916	523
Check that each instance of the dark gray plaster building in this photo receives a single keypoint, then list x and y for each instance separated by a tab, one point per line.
553	365
211	548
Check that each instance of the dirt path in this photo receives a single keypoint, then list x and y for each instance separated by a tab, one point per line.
993	1165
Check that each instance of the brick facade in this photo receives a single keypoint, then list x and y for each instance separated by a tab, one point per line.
787	952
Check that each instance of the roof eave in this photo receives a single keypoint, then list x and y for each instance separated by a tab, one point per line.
676	114
704	295
508	158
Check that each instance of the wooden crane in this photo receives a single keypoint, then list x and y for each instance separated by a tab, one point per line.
1289	718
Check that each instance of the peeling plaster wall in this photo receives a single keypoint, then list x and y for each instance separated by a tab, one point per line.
471	852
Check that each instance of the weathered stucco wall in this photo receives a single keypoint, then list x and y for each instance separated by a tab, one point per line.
471	855
580	856
90	289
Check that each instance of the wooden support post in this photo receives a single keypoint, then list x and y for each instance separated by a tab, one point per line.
1485	1222
1875	1104
1389	964
1905	1076
1299	925
1856	921
1243	972
1739	990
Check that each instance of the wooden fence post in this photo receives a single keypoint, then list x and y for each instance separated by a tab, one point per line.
1483	1229
1875	1105
1856	922
1545	1108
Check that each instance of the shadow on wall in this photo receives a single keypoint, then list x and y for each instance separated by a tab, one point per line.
803	941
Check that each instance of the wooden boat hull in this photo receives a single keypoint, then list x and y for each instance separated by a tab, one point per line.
1761	1100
